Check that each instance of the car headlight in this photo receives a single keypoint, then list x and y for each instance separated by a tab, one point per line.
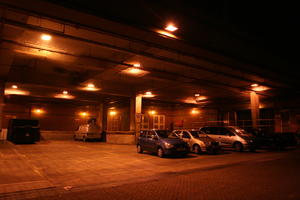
169	146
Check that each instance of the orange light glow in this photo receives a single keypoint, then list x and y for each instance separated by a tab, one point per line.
165	33
260	88
137	65
38	111
152	112
46	37
90	87
64	96
200	98
254	85
195	111
65	92
84	114
16	92
171	27
112	113
148	94
135	71
197	95
14	86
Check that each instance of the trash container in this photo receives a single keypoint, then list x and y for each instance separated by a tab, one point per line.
22	131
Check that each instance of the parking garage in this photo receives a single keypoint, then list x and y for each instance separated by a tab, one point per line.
65	67
64	70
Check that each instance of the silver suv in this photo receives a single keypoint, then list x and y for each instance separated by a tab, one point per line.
198	143
231	136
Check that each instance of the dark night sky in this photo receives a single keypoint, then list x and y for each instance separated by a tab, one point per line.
269	25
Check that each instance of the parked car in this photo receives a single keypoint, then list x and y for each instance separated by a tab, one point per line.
269	139
162	142
87	132
198	142
232	137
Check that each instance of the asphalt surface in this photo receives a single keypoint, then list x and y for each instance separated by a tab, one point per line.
232	175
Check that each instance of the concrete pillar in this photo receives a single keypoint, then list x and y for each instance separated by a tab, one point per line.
2	87
138	114
254	101
100	116
132	114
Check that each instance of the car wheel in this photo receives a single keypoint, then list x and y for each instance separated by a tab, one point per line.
197	149
160	152
139	149
238	146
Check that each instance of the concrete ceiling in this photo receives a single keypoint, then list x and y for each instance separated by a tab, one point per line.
77	55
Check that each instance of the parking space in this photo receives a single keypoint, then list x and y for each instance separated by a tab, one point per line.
76	165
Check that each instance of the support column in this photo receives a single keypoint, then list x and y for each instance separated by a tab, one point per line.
2	87
138	114
100	116
254	101
132	114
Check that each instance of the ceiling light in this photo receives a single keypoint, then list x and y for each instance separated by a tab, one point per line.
148	94
200	98
171	27
46	37
16	92
197	95
83	114
65	92
195	111
152	112
166	33
254	85
91	85
137	65
112	113
64	95
135	71
260	88
38	111
14	86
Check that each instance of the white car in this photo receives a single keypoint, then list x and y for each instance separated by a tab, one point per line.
88	131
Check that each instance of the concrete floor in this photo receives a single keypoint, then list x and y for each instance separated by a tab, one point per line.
67	169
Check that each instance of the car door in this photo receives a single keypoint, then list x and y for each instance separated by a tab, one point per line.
152	141
186	137
225	137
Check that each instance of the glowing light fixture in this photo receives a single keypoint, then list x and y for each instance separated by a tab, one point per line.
38	111
46	37
254	85
197	95
137	65
195	111
112	113
166	33
200	98
65	95
135	71
148	94
152	112
15	92
84	114
171	27
260	88
14	86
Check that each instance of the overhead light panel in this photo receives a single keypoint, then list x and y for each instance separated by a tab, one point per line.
171	27
46	37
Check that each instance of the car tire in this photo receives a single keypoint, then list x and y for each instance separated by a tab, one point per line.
139	149
160	152
197	149
238	147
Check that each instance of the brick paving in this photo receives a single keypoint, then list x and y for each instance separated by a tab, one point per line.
44	169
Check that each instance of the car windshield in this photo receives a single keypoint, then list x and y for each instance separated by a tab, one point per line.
195	134
166	134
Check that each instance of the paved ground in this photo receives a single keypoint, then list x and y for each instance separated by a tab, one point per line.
76	170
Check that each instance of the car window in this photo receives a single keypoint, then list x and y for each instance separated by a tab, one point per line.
185	135
143	133
151	134
212	130
223	131
195	134
166	134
